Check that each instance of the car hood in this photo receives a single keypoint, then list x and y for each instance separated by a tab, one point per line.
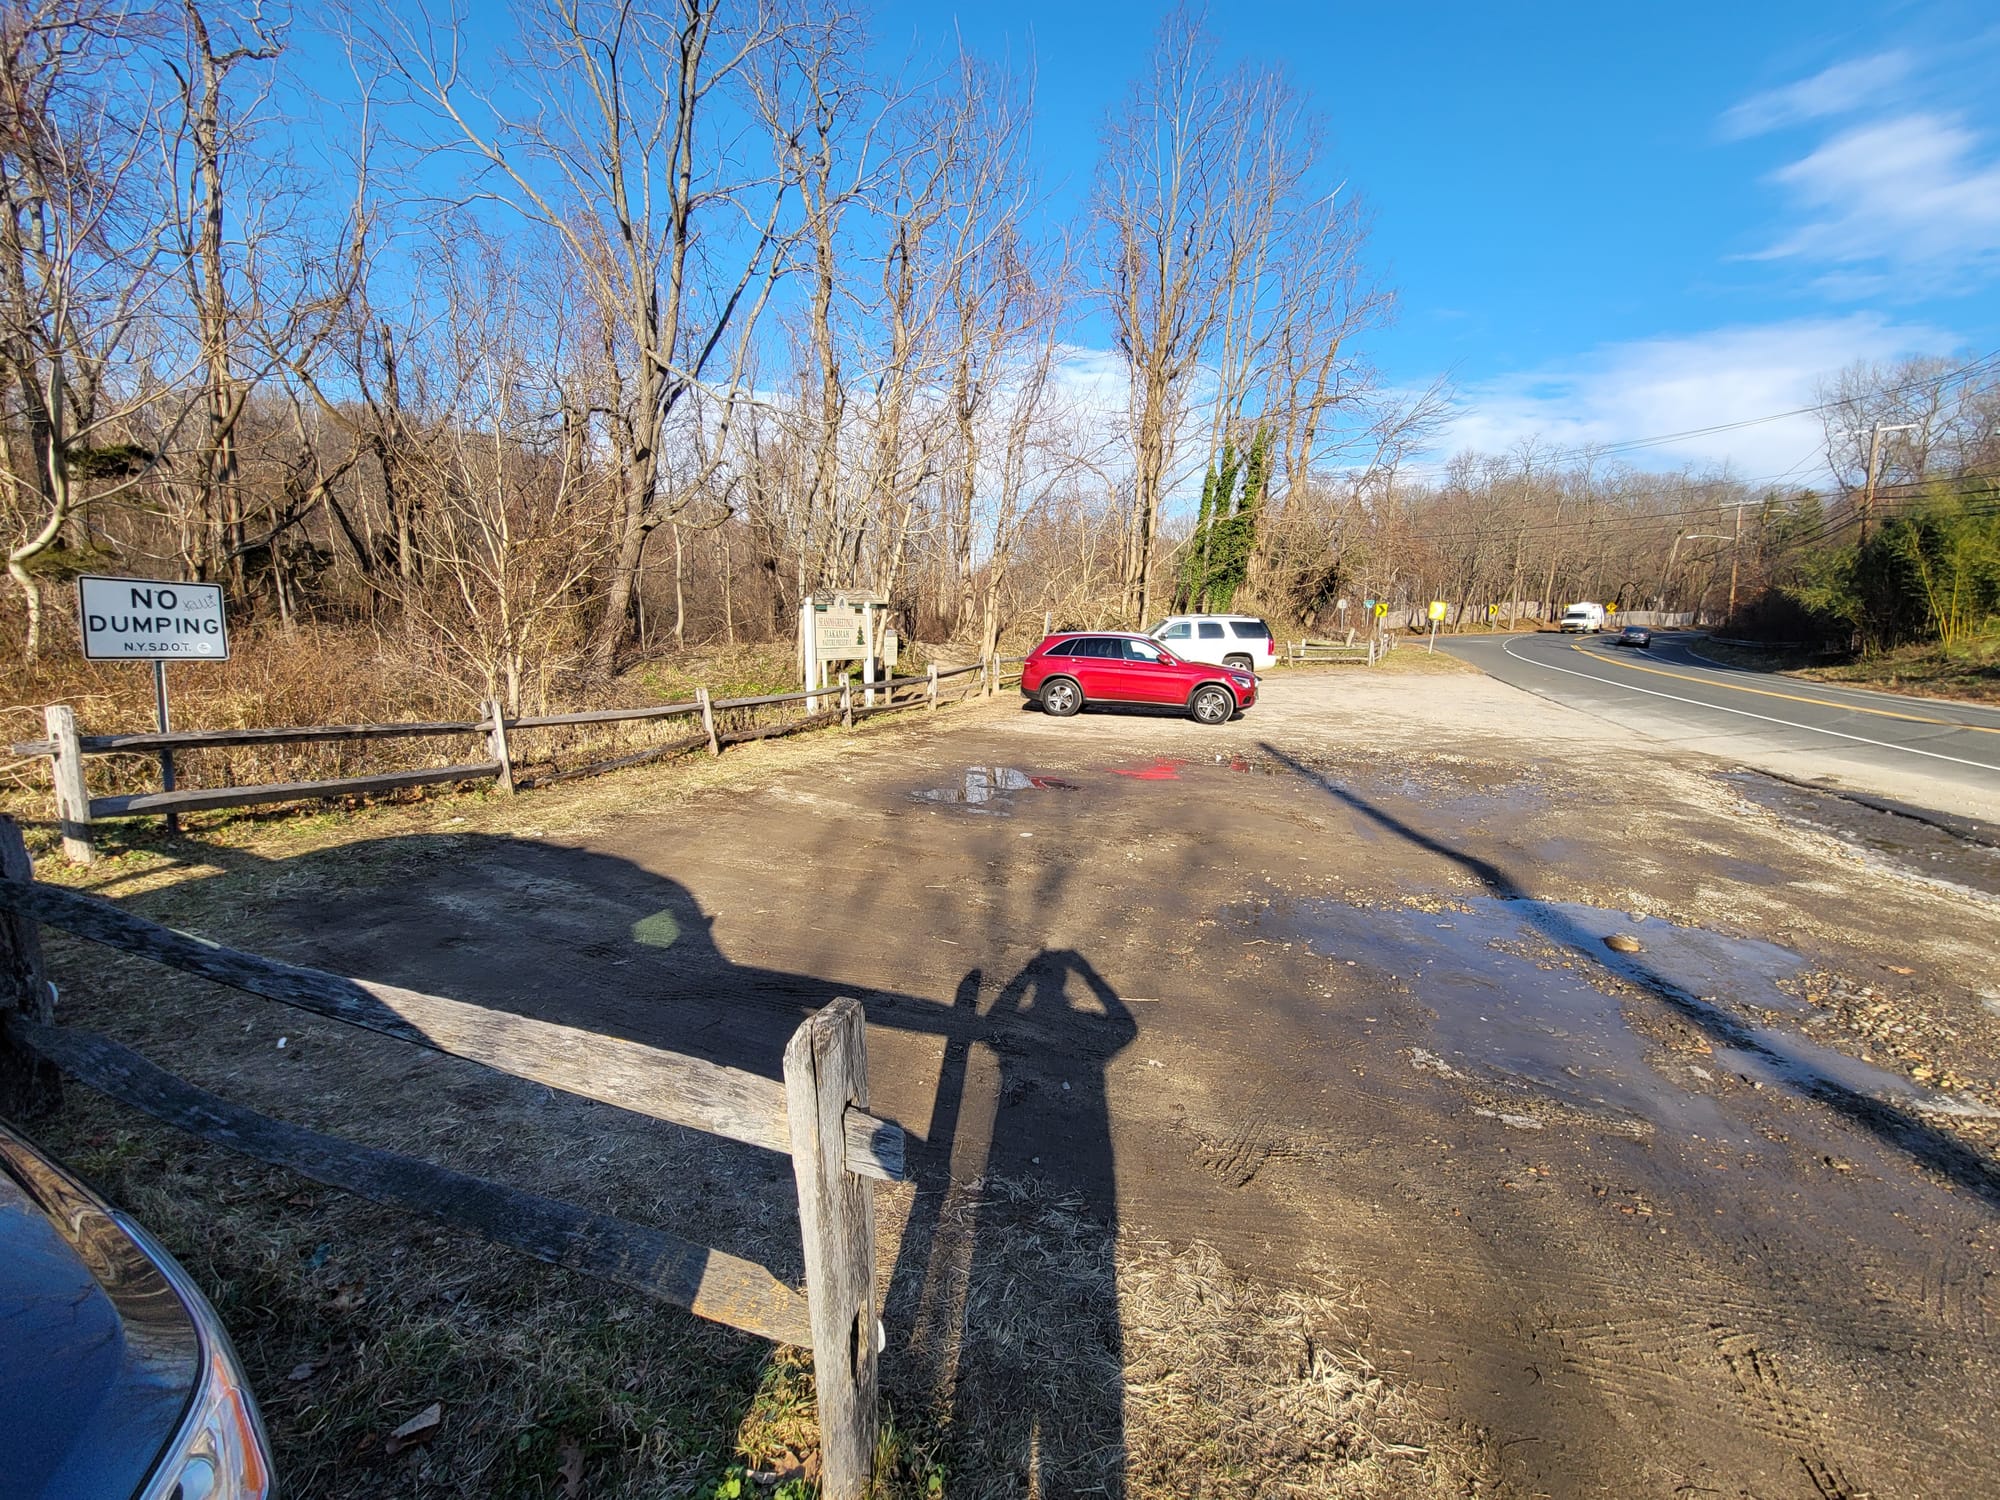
98	1355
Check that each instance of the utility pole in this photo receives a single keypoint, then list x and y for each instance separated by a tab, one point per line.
1555	552
1735	555
1874	463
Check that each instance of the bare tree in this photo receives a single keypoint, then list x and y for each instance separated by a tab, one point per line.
205	140
1218	292
625	135
513	531
77	271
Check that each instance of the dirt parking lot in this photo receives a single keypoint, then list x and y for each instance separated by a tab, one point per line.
1326	991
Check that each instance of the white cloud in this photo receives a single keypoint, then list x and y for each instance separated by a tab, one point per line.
1095	385
1624	393
1919	192
1837	90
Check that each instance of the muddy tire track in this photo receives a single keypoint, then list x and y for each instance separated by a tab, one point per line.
1238	1157
1761	1383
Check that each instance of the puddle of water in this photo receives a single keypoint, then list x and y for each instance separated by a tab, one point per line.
992	788
1957	851
1480	799
1513	986
1169	767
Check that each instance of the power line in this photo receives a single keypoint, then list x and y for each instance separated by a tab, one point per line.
1939	381
1630	525
1555	456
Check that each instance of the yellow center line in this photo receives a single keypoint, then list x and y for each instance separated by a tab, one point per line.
1853	708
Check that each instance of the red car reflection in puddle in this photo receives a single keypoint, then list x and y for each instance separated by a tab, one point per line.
1168	768
1159	770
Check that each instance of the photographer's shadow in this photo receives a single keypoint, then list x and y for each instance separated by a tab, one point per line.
1005	1297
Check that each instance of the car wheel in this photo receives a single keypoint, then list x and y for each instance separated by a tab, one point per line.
1241	663
1212	705
1061	697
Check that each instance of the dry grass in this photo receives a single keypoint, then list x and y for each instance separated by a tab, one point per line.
1409	659
1258	1391
341	675
1079	1364
352	1319
1059	1358
1970	672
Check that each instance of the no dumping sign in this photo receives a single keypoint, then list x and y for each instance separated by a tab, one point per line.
148	619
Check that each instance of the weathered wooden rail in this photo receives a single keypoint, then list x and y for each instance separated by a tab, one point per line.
817	1115
77	810
1369	650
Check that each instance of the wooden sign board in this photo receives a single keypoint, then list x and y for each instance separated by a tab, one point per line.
842	634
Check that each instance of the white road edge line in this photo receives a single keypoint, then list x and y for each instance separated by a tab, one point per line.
1507	649
1904	700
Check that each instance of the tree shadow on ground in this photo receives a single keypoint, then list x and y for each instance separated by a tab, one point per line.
1895	1125
1003	1303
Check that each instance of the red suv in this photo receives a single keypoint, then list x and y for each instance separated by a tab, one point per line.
1067	671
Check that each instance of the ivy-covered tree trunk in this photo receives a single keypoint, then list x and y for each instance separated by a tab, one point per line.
1225	535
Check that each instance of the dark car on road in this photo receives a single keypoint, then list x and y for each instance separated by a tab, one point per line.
1634	635
1070	671
117	1381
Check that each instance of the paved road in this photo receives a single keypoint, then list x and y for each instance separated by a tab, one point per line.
1944	755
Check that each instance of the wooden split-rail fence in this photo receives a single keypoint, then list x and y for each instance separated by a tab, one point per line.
77	810
1370	649
817	1114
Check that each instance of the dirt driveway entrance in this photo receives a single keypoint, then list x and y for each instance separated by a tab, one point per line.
1328	990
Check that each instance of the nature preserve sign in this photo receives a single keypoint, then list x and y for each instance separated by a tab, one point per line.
135	619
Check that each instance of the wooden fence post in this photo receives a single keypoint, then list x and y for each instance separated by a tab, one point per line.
496	743
29	1086
847	703
708	720
72	797
930	684
826	1070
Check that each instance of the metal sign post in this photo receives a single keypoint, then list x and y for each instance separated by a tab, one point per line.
166	751
156	620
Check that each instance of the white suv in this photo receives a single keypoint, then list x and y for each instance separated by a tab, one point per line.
1224	640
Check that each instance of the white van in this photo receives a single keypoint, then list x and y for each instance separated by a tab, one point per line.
1583	619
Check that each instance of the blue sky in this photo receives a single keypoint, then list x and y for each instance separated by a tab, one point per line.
1607	222
1604	222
